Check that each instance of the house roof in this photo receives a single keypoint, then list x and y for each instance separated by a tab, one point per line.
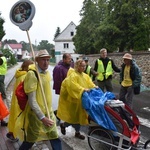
58	37
15	46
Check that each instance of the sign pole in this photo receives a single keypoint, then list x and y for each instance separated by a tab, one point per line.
21	15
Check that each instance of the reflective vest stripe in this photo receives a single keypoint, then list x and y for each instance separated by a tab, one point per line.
88	69
101	72
3	67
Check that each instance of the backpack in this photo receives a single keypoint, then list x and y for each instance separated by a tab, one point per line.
22	97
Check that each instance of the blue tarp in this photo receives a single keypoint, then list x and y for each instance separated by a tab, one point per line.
93	102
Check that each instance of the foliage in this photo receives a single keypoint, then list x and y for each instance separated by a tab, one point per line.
2	32
26	46
11	60
113	24
57	32
11	41
44	44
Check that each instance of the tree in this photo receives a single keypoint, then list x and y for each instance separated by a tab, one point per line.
11	41
26	46
84	38
44	44
113	24
2	32
128	17
57	32
11	60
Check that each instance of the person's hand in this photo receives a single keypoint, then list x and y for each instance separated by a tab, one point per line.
86	90
96	87
47	122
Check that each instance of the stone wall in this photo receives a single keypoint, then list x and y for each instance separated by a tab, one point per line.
141	58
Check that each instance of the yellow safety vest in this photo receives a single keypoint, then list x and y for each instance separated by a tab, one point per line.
101	72
88	71
3	67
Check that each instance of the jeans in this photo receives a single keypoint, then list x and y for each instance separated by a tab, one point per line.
55	143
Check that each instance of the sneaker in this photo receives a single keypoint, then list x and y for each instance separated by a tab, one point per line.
63	130
11	137
79	136
3	123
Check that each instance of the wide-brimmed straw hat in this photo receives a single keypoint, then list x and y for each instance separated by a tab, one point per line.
43	53
127	56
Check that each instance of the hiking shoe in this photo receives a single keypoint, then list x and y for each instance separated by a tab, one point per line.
79	136
11	137
63	130
4	124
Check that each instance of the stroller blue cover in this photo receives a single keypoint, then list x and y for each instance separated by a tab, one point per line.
93	102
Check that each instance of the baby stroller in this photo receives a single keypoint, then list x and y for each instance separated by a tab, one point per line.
113	125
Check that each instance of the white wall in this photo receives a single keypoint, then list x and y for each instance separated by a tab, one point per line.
59	46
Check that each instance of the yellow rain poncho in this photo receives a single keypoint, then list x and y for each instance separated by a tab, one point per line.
33	128
15	109
70	105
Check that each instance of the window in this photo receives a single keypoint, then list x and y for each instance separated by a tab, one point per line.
66	45
72	33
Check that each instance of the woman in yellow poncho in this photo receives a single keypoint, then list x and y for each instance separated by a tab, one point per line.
35	123
70	105
15	109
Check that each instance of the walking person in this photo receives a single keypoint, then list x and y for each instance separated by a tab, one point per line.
36	124
60	73
70	108
3	71
15	109
130	79
104	67
89	70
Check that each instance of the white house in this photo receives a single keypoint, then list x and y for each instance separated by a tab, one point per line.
64	43
25	55
15	49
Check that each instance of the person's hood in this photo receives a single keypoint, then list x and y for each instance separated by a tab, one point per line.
32	67
19	73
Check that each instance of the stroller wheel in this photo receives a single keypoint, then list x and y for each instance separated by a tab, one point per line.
100	138
147	144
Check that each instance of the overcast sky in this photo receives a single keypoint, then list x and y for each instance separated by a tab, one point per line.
49	15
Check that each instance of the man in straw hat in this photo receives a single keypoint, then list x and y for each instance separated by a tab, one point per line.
38	125
130	79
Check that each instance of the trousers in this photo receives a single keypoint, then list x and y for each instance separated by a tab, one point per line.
55	143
